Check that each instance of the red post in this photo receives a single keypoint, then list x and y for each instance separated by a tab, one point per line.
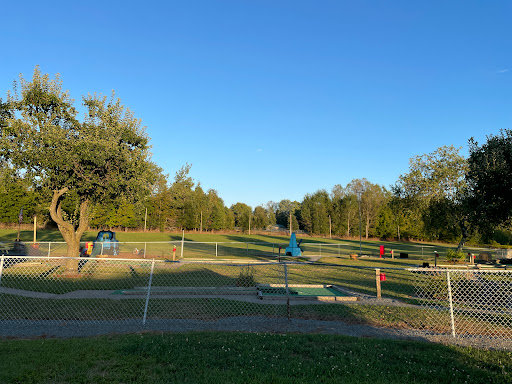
382	252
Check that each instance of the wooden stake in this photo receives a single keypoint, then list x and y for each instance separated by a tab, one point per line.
377	280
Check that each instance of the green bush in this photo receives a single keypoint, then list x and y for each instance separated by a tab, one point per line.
455	256
246	277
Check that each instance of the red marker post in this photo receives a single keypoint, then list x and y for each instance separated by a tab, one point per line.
174	253
382	251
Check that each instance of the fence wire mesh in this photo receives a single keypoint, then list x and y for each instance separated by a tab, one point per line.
55	289
466	303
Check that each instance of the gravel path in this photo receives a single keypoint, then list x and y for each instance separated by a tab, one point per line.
70	329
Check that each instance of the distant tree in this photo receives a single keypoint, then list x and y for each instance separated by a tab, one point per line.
217	215
260	219
384	227
159	203
241	213
271	212
181	192
284	208
315	211
345	207
15	194
103	158
229	219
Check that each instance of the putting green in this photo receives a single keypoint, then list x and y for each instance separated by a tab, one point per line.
301	291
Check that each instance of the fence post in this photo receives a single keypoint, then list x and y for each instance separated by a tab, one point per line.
320	249
216	250
451	302
247	249
1	268
149	291
287	291
338	249
377	281
49	246
182	243
145	249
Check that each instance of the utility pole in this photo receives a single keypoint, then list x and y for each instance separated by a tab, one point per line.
290	223
359	193
250	214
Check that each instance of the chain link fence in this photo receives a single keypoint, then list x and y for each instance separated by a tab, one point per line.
55	289
466	303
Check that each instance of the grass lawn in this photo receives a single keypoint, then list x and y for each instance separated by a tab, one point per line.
210	357
417	252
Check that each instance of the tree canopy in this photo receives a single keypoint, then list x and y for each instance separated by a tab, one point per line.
103	158
490	180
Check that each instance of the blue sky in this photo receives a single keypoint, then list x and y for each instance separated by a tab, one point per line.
271	100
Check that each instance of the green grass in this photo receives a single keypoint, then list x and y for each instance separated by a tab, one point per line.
209	357
419	252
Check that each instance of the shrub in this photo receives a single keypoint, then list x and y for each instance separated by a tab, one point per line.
455	256
246	277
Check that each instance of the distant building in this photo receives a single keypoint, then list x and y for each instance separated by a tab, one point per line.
277	228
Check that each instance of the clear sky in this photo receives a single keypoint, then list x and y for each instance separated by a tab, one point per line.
271	99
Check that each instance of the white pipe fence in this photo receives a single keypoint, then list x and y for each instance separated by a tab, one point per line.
210	250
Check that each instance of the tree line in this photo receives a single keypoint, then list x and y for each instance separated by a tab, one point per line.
97	172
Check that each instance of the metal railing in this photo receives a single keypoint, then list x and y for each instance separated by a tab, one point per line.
211	250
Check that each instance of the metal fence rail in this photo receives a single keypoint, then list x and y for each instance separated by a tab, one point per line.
206	250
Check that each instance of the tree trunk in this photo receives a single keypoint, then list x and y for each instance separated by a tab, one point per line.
70	235
464	237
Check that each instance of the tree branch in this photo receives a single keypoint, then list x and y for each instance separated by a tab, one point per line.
84	218
56	211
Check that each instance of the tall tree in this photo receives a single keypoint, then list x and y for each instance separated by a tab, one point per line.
159	203
315	211
242	213
103	158
345	207
490	181
260	218
436	186
181	192
372	199
284	208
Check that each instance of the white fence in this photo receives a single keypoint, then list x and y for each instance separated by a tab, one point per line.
203	250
